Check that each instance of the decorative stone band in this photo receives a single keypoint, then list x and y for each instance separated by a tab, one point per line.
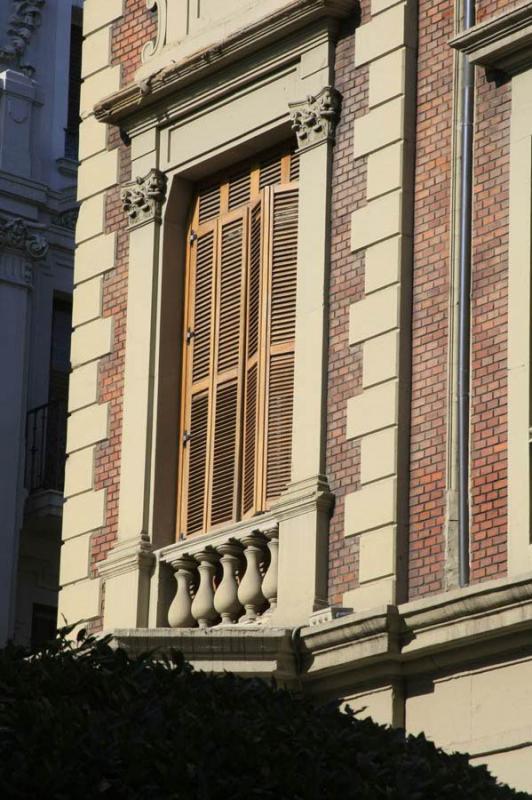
314	120
143	199
234	582
24	20
15	234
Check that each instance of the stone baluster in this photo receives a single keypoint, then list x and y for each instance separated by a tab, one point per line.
250	589
203	609
179	613
226	600
269	584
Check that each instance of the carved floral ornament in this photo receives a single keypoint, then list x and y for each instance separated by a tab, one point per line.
24	19
15	234
314	120
144	198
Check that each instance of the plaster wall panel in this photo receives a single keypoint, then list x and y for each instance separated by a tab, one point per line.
97	13
380	360
82	513
96	51
95	257
91	341
80	473
373	409
91	218
372	506
377	220
83	386
87	303
375	314
87	426
97	173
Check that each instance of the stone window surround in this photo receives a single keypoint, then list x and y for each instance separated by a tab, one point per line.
293	78
502	46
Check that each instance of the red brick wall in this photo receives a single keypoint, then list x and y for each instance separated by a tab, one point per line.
346	287
130	33
430	297
431	311
489	332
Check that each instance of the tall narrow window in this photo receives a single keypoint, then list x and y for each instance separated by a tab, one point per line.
238	377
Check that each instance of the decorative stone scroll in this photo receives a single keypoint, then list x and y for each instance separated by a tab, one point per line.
25	18
154	48
314	120
15	234
144	198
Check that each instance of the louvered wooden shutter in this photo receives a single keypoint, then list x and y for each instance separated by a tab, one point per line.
197	384
227	380
281	351
254	338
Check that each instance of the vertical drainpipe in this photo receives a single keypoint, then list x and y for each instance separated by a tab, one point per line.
464	292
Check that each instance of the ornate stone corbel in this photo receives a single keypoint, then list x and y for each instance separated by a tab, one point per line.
314	120
143	198
153	48
15	234
25	18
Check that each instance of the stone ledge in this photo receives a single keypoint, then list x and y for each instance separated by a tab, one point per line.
251	650
503	43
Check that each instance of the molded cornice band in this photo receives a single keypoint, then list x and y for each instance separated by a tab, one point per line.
168	80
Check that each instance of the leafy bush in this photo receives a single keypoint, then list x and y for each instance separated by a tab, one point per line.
81	720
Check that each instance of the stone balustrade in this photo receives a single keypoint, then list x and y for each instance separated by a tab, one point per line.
228	583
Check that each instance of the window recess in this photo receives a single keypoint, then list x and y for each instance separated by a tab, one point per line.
239	346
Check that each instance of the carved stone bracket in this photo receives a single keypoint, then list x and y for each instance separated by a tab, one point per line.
15	234
314	120
25	18
153	48
143	199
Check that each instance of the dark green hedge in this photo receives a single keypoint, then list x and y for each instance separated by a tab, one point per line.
84	721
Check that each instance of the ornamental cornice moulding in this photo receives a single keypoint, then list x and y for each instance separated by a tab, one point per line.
143	199
314	120
15	234
168	80
24	20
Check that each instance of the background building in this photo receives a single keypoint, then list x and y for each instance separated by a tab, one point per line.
300	400
40	60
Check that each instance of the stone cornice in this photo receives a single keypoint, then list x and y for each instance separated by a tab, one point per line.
503	44
137	96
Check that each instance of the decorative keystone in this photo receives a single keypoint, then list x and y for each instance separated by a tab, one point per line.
314	120
144	198
14	233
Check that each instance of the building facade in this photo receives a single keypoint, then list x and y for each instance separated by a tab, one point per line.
299	432
40	60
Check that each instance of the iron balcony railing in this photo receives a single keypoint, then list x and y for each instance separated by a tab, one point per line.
46	447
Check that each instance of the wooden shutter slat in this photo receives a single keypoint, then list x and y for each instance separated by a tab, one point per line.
284	266
270	171
239	189
202	322
281	355
224	454
197	469
280	410
230	302
209	203
250	440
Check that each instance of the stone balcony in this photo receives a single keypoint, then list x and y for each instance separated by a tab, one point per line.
226	579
